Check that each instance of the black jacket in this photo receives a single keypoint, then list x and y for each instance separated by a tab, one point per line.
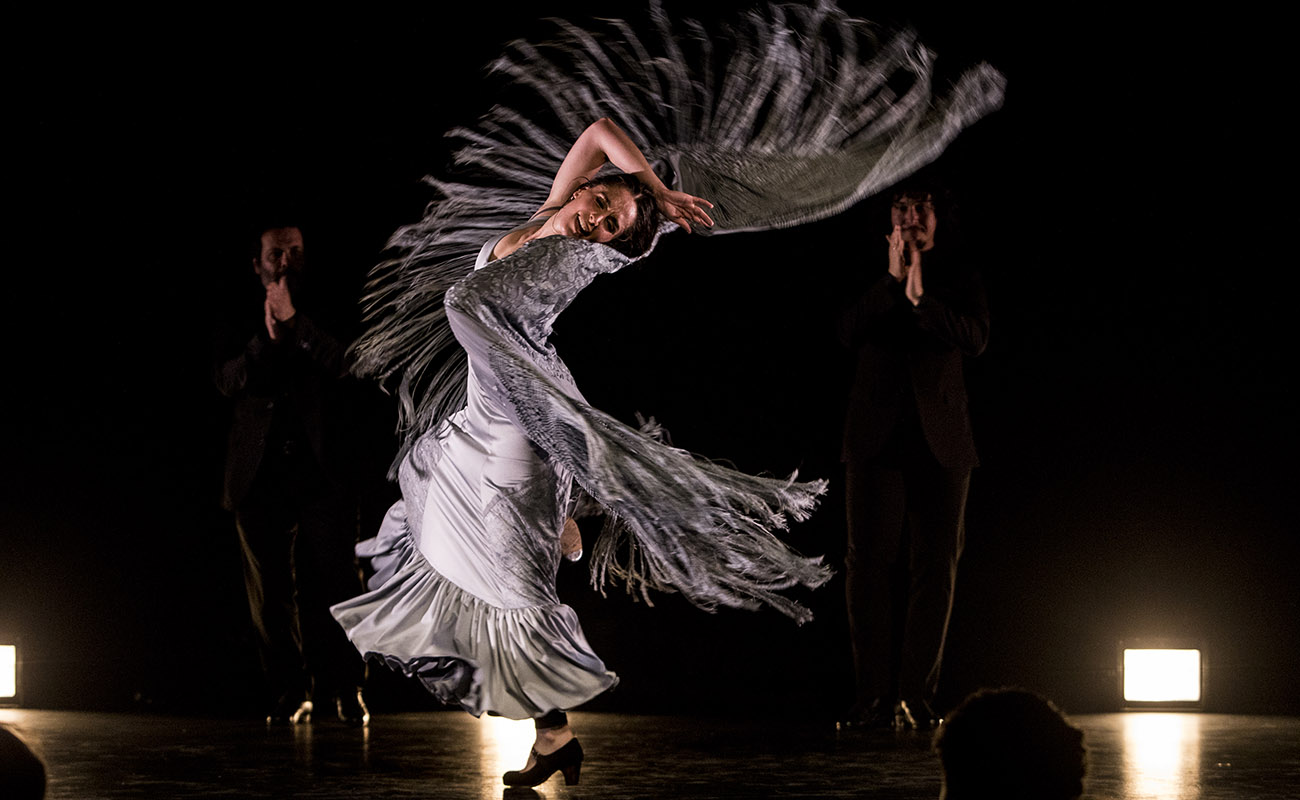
291	387
915	354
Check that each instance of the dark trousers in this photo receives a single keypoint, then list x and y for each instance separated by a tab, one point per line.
906	532
297	531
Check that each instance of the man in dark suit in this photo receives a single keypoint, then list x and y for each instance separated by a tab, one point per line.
908	454
285	481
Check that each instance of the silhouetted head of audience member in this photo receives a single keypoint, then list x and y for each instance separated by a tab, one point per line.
1010	744
22	773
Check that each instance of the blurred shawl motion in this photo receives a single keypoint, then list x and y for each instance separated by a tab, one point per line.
789	116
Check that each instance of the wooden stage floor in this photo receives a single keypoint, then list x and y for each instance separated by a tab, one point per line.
452	755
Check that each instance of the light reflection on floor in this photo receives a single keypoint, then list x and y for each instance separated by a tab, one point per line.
453	756
1162	754
505	746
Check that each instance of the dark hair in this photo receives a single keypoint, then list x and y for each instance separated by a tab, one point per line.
928	183
927	180
1009	744
636	240
257	230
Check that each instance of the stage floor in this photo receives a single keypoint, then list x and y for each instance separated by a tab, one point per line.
452	755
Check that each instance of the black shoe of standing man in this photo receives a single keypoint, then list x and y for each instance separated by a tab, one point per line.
352	709
879	715
916	715
290	710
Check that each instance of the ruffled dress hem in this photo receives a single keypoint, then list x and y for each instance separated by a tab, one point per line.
518	663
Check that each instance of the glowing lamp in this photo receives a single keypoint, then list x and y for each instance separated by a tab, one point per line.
8	674
1164	675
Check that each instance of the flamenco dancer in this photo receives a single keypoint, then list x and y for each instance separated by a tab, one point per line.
499	444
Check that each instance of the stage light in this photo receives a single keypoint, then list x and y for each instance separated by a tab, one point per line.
8	674
1163	674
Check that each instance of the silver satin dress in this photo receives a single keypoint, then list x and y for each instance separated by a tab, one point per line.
463	595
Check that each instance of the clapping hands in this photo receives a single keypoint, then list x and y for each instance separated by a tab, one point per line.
278	307
905	265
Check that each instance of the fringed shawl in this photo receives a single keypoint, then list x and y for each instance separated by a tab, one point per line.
789	116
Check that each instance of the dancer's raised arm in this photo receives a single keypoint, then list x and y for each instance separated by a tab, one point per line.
604	141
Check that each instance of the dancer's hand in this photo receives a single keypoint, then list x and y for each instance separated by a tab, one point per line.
683	208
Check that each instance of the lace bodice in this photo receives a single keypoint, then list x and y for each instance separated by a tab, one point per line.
520	296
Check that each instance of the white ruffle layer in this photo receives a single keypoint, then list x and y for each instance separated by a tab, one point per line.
518	663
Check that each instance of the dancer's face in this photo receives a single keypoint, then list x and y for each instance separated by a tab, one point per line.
914	214
282	253
597	213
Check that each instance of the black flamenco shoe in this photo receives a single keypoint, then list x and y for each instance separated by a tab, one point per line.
567	759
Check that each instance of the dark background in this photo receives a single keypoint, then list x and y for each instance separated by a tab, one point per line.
1136	434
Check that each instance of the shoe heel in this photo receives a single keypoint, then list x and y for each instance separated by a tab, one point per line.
571	773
